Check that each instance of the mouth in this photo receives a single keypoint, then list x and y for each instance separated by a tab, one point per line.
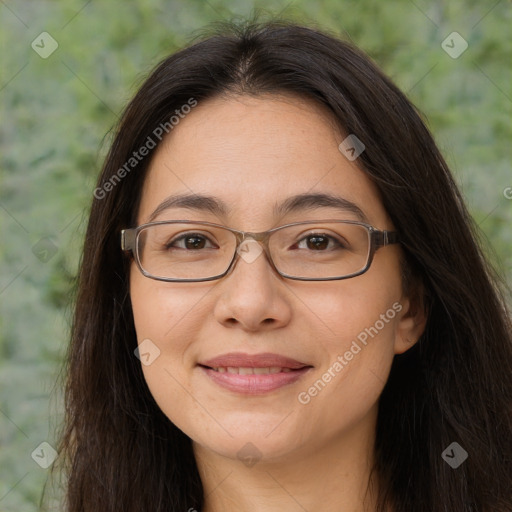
253	374
250	371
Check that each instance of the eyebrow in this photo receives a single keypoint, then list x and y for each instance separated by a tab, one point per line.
293	204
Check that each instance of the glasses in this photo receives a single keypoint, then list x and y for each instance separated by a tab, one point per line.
320	250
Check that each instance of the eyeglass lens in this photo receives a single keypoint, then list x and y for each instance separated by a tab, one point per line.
196	251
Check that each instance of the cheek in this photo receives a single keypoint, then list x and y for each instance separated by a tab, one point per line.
360	320
358	359
162	311
361	308
167	319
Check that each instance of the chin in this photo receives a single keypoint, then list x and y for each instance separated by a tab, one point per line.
266	439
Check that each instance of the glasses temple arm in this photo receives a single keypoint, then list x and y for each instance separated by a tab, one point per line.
128	239
382	238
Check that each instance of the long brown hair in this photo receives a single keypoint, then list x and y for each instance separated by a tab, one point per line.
120	452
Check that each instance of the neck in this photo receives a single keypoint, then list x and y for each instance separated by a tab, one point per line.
333	475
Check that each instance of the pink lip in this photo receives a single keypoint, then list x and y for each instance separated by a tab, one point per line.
254	384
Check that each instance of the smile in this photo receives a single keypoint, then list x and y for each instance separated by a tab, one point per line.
251	371
253	381
253	374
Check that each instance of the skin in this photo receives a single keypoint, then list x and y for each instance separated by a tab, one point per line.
253	152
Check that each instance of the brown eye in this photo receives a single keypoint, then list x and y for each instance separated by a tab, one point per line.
191	241
319	242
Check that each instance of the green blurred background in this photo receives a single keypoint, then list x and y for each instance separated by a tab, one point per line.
57	115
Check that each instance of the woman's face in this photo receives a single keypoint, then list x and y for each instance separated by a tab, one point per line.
252	154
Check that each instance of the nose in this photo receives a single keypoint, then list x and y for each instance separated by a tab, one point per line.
252	295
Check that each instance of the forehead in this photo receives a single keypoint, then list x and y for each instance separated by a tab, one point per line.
254	153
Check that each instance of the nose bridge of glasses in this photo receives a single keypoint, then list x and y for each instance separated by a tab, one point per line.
250	245
245	237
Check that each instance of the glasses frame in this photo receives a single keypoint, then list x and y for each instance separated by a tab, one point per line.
377	237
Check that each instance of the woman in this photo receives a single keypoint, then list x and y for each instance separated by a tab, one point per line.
281	303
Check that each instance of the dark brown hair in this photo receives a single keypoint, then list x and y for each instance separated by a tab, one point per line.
120	452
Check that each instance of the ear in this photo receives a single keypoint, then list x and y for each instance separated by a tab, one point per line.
412	321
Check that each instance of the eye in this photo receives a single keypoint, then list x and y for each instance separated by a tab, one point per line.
319	242
191	241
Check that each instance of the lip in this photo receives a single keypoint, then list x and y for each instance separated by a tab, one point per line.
254	384
264	360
